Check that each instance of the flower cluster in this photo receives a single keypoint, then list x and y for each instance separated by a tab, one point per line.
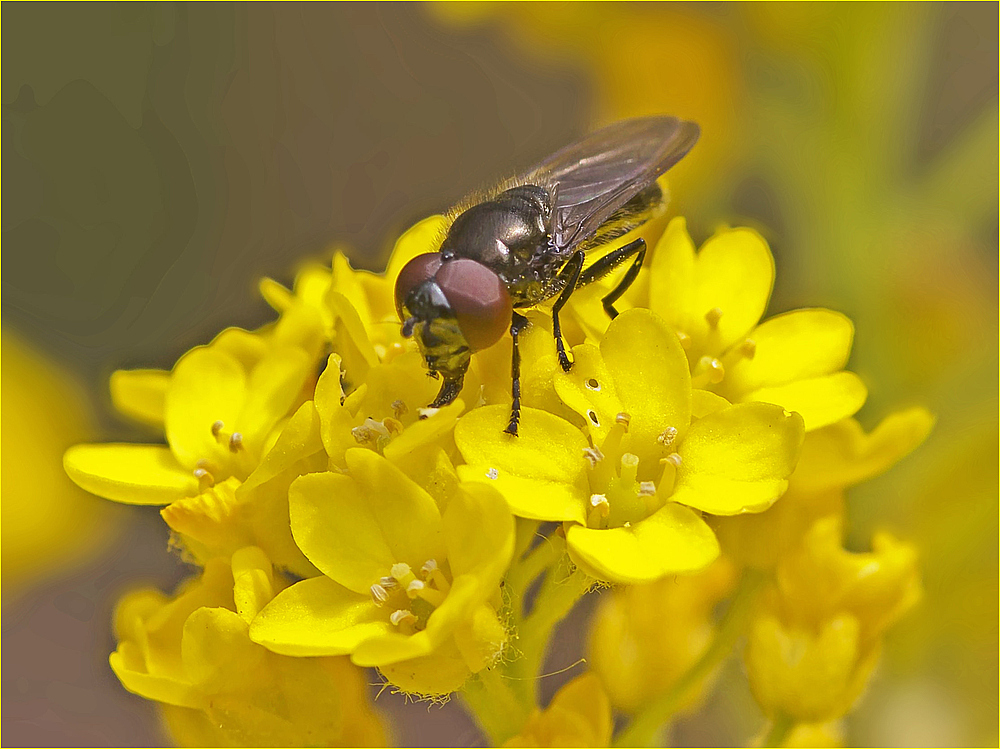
692	451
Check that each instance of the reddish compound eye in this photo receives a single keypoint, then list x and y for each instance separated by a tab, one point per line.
479	300
419	269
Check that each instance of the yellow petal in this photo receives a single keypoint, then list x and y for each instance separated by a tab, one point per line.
705	402
350	337
245	347
276	295
797	345
716	297
821	400
318	617
479	533
425	432
217	652
673	539
541	472
354	528
140	393
442	672
132	474
651	376
842	455
273	387
738	459
154	686
481	640
299	439
206	386
589	390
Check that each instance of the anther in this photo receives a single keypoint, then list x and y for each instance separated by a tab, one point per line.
647	489
593	384
426	413
429	566
400	570
673	459
711	368
593	455
592	415
748	348
379	594
713	316
685	340
667	438
492	474
623	419
398	408
414	588
388	582
393	426
216	428
235	442
399	616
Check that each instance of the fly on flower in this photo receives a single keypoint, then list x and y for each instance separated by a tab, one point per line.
527	242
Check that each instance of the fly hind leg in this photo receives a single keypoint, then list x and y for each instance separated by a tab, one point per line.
517	325
608	263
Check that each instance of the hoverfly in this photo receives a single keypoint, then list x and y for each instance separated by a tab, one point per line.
527	244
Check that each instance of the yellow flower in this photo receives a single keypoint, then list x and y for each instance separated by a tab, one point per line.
833	459
578	715
48	523
406	587
645	637
817	635
219	409
192	653
657	452
714	298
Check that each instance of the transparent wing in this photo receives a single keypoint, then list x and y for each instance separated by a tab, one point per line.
597	175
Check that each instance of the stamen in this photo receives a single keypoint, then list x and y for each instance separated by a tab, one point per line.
493	474
710	368
685	339
600	503
748	348
673	459
399	408
379	594
399	616
429	566
414	588
205	479
713	316
388	582
630	469
426	413
593	455
392	426
593	384
647	489
667	438
216	428
592	415
235	442
623	419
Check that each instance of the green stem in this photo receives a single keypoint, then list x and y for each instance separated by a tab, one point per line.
644	727
499	711
779	730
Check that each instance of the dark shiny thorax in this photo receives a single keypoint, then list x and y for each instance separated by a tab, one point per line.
509	235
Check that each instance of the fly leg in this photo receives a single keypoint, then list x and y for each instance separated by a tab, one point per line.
517	325
569	279
608	263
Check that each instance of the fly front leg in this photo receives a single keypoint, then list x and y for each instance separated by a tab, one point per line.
569	279
518	324
608	263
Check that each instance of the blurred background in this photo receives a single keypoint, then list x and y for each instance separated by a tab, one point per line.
161	158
